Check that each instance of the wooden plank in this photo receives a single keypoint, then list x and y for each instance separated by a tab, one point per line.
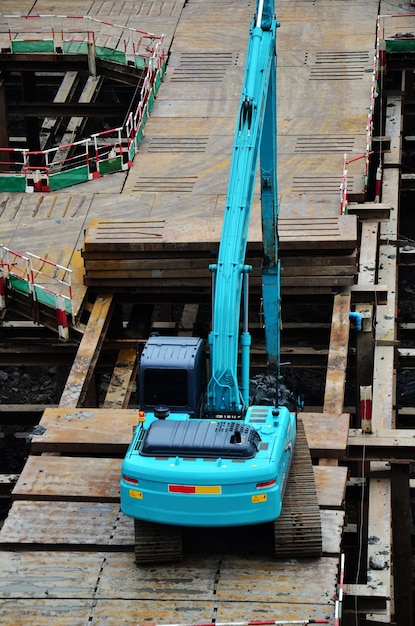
402	543
237	582
152	234
330	485
196	612
83	366
205	578
383	445
367	293
186	283
327	433
83	479
337	360
122	379
69	478
370	210
62	575
368	253
86	431
89	430
165	267
192	611
64	525
156	273
332	523
39	611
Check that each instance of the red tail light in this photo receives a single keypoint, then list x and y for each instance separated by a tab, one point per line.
267	484
128	479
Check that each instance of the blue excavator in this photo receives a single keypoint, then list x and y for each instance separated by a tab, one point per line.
201	454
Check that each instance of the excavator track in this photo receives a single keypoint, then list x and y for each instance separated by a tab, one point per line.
157	543
298	529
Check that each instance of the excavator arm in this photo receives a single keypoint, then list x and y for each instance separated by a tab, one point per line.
255	138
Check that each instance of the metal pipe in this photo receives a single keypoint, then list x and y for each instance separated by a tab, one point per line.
357	317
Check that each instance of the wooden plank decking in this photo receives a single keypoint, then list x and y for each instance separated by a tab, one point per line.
181	171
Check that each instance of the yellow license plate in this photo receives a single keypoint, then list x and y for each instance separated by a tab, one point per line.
260	497
135	494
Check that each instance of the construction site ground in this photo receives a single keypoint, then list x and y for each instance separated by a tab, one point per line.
66	550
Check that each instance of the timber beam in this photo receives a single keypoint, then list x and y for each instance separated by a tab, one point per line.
385	444
83	367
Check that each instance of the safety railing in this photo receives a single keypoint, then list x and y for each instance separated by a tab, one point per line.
397	32
39	279
71	34
344	192
378	66
104	152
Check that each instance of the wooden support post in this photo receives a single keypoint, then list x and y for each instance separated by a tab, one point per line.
92	66
402	548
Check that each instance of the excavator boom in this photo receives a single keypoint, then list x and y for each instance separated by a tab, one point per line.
255	136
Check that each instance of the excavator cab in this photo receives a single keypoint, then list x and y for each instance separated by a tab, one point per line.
173	374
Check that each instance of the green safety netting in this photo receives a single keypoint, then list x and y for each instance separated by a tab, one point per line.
81	47
40	293
116	56
110	166
150	102
400	45
48	298
139	136
131	151
68	178
75	47
139	62
59	180
19	284
39	45
12	183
